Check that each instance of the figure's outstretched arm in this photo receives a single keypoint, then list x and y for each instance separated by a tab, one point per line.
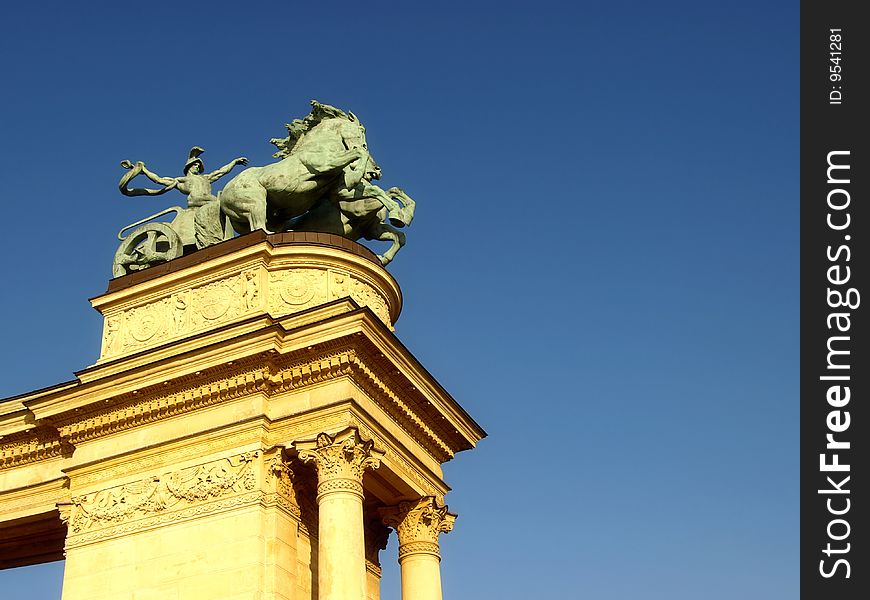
215	175
157	178
168	183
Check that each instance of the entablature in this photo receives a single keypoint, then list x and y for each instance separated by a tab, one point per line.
325	344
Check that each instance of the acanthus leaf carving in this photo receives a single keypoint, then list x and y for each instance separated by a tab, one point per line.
341	459
281	480
419	522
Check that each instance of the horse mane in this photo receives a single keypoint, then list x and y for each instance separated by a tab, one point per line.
299	127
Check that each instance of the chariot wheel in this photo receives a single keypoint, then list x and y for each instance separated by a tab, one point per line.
147	245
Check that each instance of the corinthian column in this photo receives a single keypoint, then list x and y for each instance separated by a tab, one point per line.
341	461
418	525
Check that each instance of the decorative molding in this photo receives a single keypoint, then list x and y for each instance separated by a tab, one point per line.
286	430
340	459
155	404
408	469
374	569
289	431
401	413
301	373
35	497
163	494
278	374
344	285
339	485
419	548
418	524
205	444
65	509
345	360
294	290
40	443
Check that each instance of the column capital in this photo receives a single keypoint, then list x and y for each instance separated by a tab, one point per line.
65	510
340	459
418	524
280	484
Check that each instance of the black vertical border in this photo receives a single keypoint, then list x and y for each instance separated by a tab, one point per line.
827	127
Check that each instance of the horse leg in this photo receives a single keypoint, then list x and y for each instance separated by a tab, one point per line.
407	212
246	208
394	209
387	233
321	164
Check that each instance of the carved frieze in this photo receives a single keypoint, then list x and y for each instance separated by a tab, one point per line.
181	313
199	308
165	518
344	285
163	493
293	290
194	447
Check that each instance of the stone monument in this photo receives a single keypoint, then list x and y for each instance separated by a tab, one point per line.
252	428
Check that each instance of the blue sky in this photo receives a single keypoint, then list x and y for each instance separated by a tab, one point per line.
603	268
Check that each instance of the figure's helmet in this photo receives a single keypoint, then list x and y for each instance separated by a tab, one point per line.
193	158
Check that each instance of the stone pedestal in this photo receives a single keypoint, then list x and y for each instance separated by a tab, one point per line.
224	444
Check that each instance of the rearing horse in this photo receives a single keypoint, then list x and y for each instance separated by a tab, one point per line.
354	215
324	152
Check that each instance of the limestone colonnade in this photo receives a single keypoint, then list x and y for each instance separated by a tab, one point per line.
341	461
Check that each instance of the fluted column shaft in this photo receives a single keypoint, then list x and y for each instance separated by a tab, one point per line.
341	461
418	525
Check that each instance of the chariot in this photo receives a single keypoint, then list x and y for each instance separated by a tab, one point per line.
152	242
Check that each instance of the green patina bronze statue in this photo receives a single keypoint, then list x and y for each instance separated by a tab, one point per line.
322	182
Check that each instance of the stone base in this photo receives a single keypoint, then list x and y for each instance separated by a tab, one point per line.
167	469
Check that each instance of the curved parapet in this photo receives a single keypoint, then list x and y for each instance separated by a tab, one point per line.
248	277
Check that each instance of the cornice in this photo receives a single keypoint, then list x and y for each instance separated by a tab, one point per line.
271	375
38	443
280	359
34	499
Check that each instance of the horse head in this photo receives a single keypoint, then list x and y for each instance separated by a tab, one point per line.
324	125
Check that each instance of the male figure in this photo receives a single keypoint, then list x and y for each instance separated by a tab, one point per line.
193	183
208	222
